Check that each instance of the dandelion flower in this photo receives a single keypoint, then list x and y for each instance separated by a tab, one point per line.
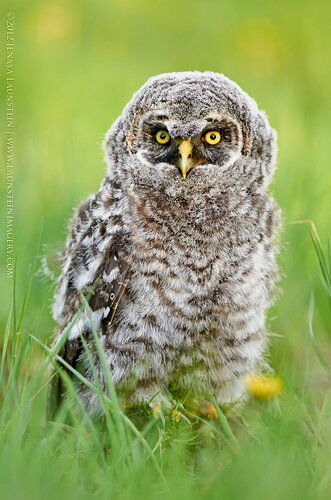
262	387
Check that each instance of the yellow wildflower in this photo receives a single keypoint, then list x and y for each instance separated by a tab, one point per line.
156	411
262	387
176	415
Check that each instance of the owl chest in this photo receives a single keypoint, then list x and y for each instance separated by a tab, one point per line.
184	273
176	281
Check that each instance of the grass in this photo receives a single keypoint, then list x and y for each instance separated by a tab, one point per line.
76	64
277	449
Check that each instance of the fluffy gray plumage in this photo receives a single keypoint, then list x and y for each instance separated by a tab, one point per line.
178	272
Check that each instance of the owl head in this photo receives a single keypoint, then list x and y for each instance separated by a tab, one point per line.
187	131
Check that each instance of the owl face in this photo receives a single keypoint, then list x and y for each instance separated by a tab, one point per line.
187	144
191	132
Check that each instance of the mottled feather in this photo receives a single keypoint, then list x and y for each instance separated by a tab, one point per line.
178	274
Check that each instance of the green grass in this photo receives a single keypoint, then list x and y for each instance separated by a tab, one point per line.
278	449
76	65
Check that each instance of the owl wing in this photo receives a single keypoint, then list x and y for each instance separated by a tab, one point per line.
93	266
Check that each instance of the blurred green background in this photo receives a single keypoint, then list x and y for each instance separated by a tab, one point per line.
77	63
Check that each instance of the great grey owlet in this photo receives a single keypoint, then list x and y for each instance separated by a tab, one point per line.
176	252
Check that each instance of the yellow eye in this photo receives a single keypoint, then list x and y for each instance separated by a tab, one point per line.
162	137
212	137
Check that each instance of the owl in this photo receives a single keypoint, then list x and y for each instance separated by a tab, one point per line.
173	261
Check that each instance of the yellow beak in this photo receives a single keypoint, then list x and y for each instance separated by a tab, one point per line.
185	155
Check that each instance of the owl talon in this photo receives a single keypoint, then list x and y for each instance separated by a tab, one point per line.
203	408
127	405
212	412
207	409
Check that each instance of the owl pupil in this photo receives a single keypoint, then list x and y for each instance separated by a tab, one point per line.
163	136
213	137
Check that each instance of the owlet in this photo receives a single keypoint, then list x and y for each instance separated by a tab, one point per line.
172	261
